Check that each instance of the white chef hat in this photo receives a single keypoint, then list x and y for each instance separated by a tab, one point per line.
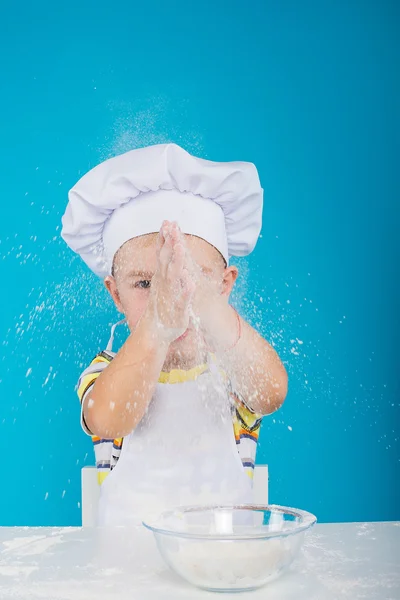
132	194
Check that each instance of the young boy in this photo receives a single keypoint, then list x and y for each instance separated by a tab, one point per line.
175	414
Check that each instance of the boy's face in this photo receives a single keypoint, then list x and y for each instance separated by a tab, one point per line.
134	267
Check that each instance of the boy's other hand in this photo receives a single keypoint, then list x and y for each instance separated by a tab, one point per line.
172	285
206	288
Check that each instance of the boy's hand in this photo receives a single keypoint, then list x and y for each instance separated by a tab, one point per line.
206	290
172	286
219	326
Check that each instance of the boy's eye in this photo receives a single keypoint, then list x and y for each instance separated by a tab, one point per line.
144	285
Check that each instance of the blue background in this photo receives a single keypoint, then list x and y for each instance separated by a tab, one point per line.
309	91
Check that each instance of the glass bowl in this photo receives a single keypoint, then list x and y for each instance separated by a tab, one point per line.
230	548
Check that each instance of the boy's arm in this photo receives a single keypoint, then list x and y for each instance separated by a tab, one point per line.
252	365
122	393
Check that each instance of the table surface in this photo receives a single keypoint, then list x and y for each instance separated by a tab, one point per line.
338	561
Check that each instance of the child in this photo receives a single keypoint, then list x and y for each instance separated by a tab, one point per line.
160	225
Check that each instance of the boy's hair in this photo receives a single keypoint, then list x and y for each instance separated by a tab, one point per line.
146	240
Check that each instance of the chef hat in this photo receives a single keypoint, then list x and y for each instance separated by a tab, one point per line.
132	194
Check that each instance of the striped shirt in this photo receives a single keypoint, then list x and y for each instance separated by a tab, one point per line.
245	422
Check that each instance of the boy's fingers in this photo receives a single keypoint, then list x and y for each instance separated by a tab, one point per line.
165	256
177	262
165	229
162	236
188	287
181	236
174	233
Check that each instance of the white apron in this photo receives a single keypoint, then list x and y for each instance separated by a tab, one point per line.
183	452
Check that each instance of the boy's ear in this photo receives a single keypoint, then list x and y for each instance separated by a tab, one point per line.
111	286
230	275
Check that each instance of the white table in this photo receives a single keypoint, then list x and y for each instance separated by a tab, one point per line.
341	561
